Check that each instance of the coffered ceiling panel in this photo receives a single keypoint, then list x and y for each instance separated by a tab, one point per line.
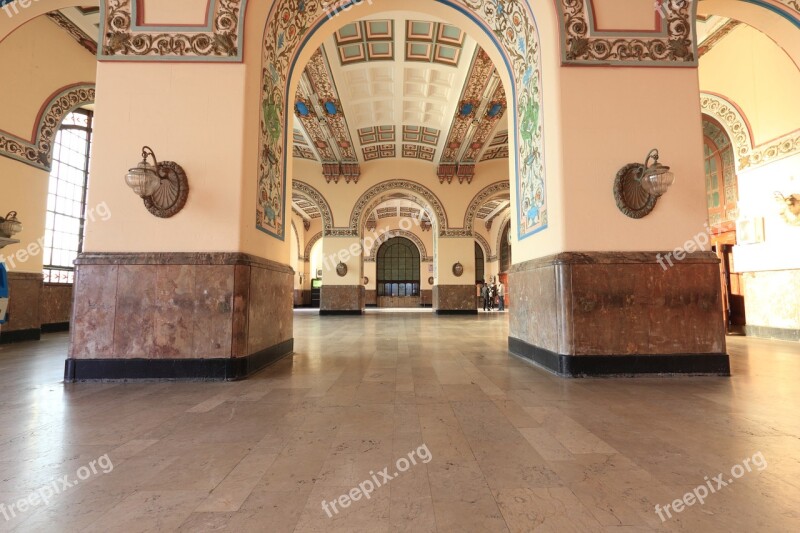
403	88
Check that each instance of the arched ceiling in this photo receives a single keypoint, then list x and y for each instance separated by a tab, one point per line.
400	87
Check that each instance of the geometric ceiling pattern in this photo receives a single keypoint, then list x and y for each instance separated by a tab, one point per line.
398	87
363	41
304	206
498	147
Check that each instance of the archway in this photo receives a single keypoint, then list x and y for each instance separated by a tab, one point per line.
398	273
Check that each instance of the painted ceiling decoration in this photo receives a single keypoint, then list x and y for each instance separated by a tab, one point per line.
363	41
301	147
672	44
423	253
748	155
499	189
38	152
512	29
220	39
480	108
76	31
433	42
717	36
498	147
320	112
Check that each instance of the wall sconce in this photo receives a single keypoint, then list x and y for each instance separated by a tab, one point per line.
10	226
163	186
341	269
458	269
638	187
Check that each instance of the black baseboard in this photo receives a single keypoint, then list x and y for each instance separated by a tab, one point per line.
55	328
764	332
340	312
621	365
20	335
456	311
220	369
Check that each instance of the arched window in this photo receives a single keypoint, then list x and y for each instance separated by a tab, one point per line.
398	268
722	194
66	197
479	263
505	250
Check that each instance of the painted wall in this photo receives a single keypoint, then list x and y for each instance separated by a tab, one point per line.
36	61
748	68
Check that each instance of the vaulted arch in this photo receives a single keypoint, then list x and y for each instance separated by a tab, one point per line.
316	198
423	254
38	152
362	208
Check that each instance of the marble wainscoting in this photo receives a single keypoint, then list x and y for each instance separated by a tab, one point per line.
455	299
25	293
342	299
772	304
201	316
611	313
371	298
55	307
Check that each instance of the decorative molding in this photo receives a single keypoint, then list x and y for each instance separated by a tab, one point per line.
316	198
487	250
719	34
735	123
38	152
296	235
220	40
423	254
311	242
485	194
501	227
672	44
361	209
74	31
510	25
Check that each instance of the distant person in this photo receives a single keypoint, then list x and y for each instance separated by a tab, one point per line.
490	292
501	296
485	295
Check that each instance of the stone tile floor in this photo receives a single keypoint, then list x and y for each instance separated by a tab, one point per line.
511	448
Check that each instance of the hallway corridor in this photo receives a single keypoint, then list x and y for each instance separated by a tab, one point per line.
511	447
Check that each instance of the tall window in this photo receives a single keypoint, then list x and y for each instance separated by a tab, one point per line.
479	263
722	196
66	197
398	268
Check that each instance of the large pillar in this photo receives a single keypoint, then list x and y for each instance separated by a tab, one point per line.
200	295
343	291
455	294
606	301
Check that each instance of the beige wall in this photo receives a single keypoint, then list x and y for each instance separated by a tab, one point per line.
748	68
37	60
177	110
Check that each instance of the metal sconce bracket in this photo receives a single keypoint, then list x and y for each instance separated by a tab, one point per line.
170	196
632	195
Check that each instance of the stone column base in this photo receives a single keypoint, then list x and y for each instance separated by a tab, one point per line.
455	300
609	313
342	300
199	316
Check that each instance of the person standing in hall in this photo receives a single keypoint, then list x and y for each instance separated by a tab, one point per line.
501	296
485	295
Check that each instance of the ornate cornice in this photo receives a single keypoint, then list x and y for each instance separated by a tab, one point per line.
719	34
672	45
361	209
220	40
487	250
316	198
74	31
736	126
485	194
311	242
38	152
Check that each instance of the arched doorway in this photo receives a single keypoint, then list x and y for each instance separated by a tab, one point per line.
398	273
